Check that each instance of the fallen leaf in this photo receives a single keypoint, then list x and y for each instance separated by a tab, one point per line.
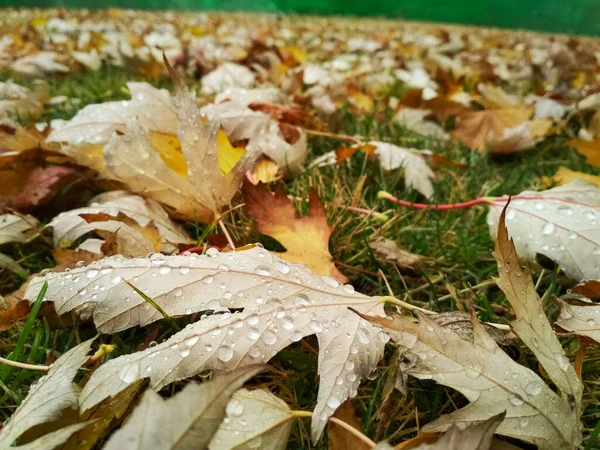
531	324
534	413
521	137
339	437
10	264
69	226
564	175
17	228
475	127
306	239
442	107
306	303
66	258
579	318
228	75
18	101
124	236
187	420
255	418
558	223
589	149
390	251
49	396
39	64
417	173
415	120
15	314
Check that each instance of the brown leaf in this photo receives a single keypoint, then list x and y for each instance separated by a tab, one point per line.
42	186
390	251
306	239
66	258
15	314
339	437
475	127
442	107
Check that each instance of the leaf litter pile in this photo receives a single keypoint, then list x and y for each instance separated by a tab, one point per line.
232	231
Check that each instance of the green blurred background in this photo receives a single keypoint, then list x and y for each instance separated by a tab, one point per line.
564	16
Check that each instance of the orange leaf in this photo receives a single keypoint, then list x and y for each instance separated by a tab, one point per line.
306	238
18	312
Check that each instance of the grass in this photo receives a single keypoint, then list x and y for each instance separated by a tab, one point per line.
457	244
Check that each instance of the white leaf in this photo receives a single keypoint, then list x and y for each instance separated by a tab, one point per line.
39	64
301	304
227	75
255	419
239	122
489	379
560	223
15	228
417	173
69	226
414	120
581	320
90	60
49	396
186	421
244	97
16	100
271	143
96	124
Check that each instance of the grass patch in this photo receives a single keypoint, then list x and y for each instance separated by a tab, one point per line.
457	243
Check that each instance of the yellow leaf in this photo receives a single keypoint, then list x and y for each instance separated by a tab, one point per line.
565	176
228	154
589	149
169	149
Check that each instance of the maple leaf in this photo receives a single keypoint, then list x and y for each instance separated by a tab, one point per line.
475	127
590	149
69	226
558	223
390	251
187	420
261	420
306	239
281	304
564	175
579	312
48	398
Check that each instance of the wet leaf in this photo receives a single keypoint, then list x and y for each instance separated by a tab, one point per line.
304	304
187	420
339	437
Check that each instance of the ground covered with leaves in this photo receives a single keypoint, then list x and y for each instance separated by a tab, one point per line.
186	197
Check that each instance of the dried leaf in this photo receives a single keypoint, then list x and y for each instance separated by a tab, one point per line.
55	439
390	251
476	128
260	419
415	120
70	226
565	175
558	223
228	75
188	420
534	413
306	239
589	149
49	396
15	314
531	324
417	173
15	228
581	319
19	101
339	437
303	304
124	236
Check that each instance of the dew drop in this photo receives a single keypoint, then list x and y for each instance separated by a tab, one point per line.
510	214
269	337
225	353
316	326
548	228
301	300
533	388
192	341
188	311
287	323
234	408
153	344
185	352
254	352
177	292
473	374
184	270
164	270
349	365
591	322
207	280
333	402
212	252
282	267
92	273
296	336
115	280
262	270
128	374
223	267
516	400
253	333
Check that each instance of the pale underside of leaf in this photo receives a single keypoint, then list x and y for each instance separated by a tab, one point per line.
580	320
55	439
560	223
49	396
14	228
281	304
186	421
69	226
531	324
489	379
255	419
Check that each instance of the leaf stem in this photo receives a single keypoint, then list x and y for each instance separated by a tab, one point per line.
353	431
383	195
407	306
21	365
226	233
